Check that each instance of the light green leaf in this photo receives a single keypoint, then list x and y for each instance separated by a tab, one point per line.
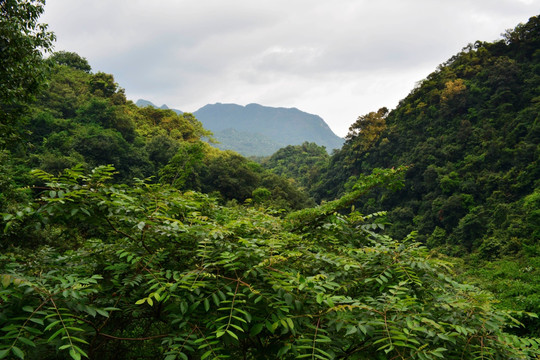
206	354
232	334
74	354
290	323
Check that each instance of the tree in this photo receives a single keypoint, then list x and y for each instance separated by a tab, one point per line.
22	39
188	157
71	59
366	130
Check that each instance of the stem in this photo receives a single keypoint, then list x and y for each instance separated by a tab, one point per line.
134	339
63	324
315	338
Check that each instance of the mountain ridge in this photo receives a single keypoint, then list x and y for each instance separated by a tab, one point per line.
258	130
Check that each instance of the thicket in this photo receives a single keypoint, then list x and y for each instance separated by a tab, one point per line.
147	271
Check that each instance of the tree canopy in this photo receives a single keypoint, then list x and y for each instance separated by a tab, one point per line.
22	41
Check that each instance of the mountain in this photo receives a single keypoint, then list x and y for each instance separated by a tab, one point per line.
246	143
470	133
144	103
262	130
256	130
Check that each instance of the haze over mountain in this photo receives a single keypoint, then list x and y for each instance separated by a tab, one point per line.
261	130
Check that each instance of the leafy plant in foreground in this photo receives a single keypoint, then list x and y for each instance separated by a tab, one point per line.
167	274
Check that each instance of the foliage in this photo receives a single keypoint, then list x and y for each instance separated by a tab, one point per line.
71	59
175	275
303	163
367	129
22	39
470	134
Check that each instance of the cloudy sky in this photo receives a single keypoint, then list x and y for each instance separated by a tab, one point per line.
337	59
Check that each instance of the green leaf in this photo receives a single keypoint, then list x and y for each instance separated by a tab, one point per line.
27	341
37	321
17	352
206	305
232	334
256	329
51	325
283	351
58	332
216	299
74	354
102	312
351	330
290	323
270	327
4	353
206	354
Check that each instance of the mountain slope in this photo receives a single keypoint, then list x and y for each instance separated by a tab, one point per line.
470	134
259	124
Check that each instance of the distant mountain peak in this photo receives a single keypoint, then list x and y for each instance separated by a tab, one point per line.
144	103
278	126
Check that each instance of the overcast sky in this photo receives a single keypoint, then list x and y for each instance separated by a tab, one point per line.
337	59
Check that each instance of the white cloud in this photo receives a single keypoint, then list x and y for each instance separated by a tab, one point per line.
335	59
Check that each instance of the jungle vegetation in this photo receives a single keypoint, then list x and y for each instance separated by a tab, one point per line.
122	232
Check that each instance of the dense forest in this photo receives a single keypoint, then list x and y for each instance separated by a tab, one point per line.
469	134
125	235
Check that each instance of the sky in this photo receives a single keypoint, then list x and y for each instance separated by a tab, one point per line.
337	59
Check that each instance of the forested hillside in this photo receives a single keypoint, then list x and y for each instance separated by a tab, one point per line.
84	119
124	235
470	135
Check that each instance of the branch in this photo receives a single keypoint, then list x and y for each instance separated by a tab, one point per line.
134	339
127	235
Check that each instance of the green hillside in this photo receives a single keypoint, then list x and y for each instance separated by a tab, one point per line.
470	135
124	235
